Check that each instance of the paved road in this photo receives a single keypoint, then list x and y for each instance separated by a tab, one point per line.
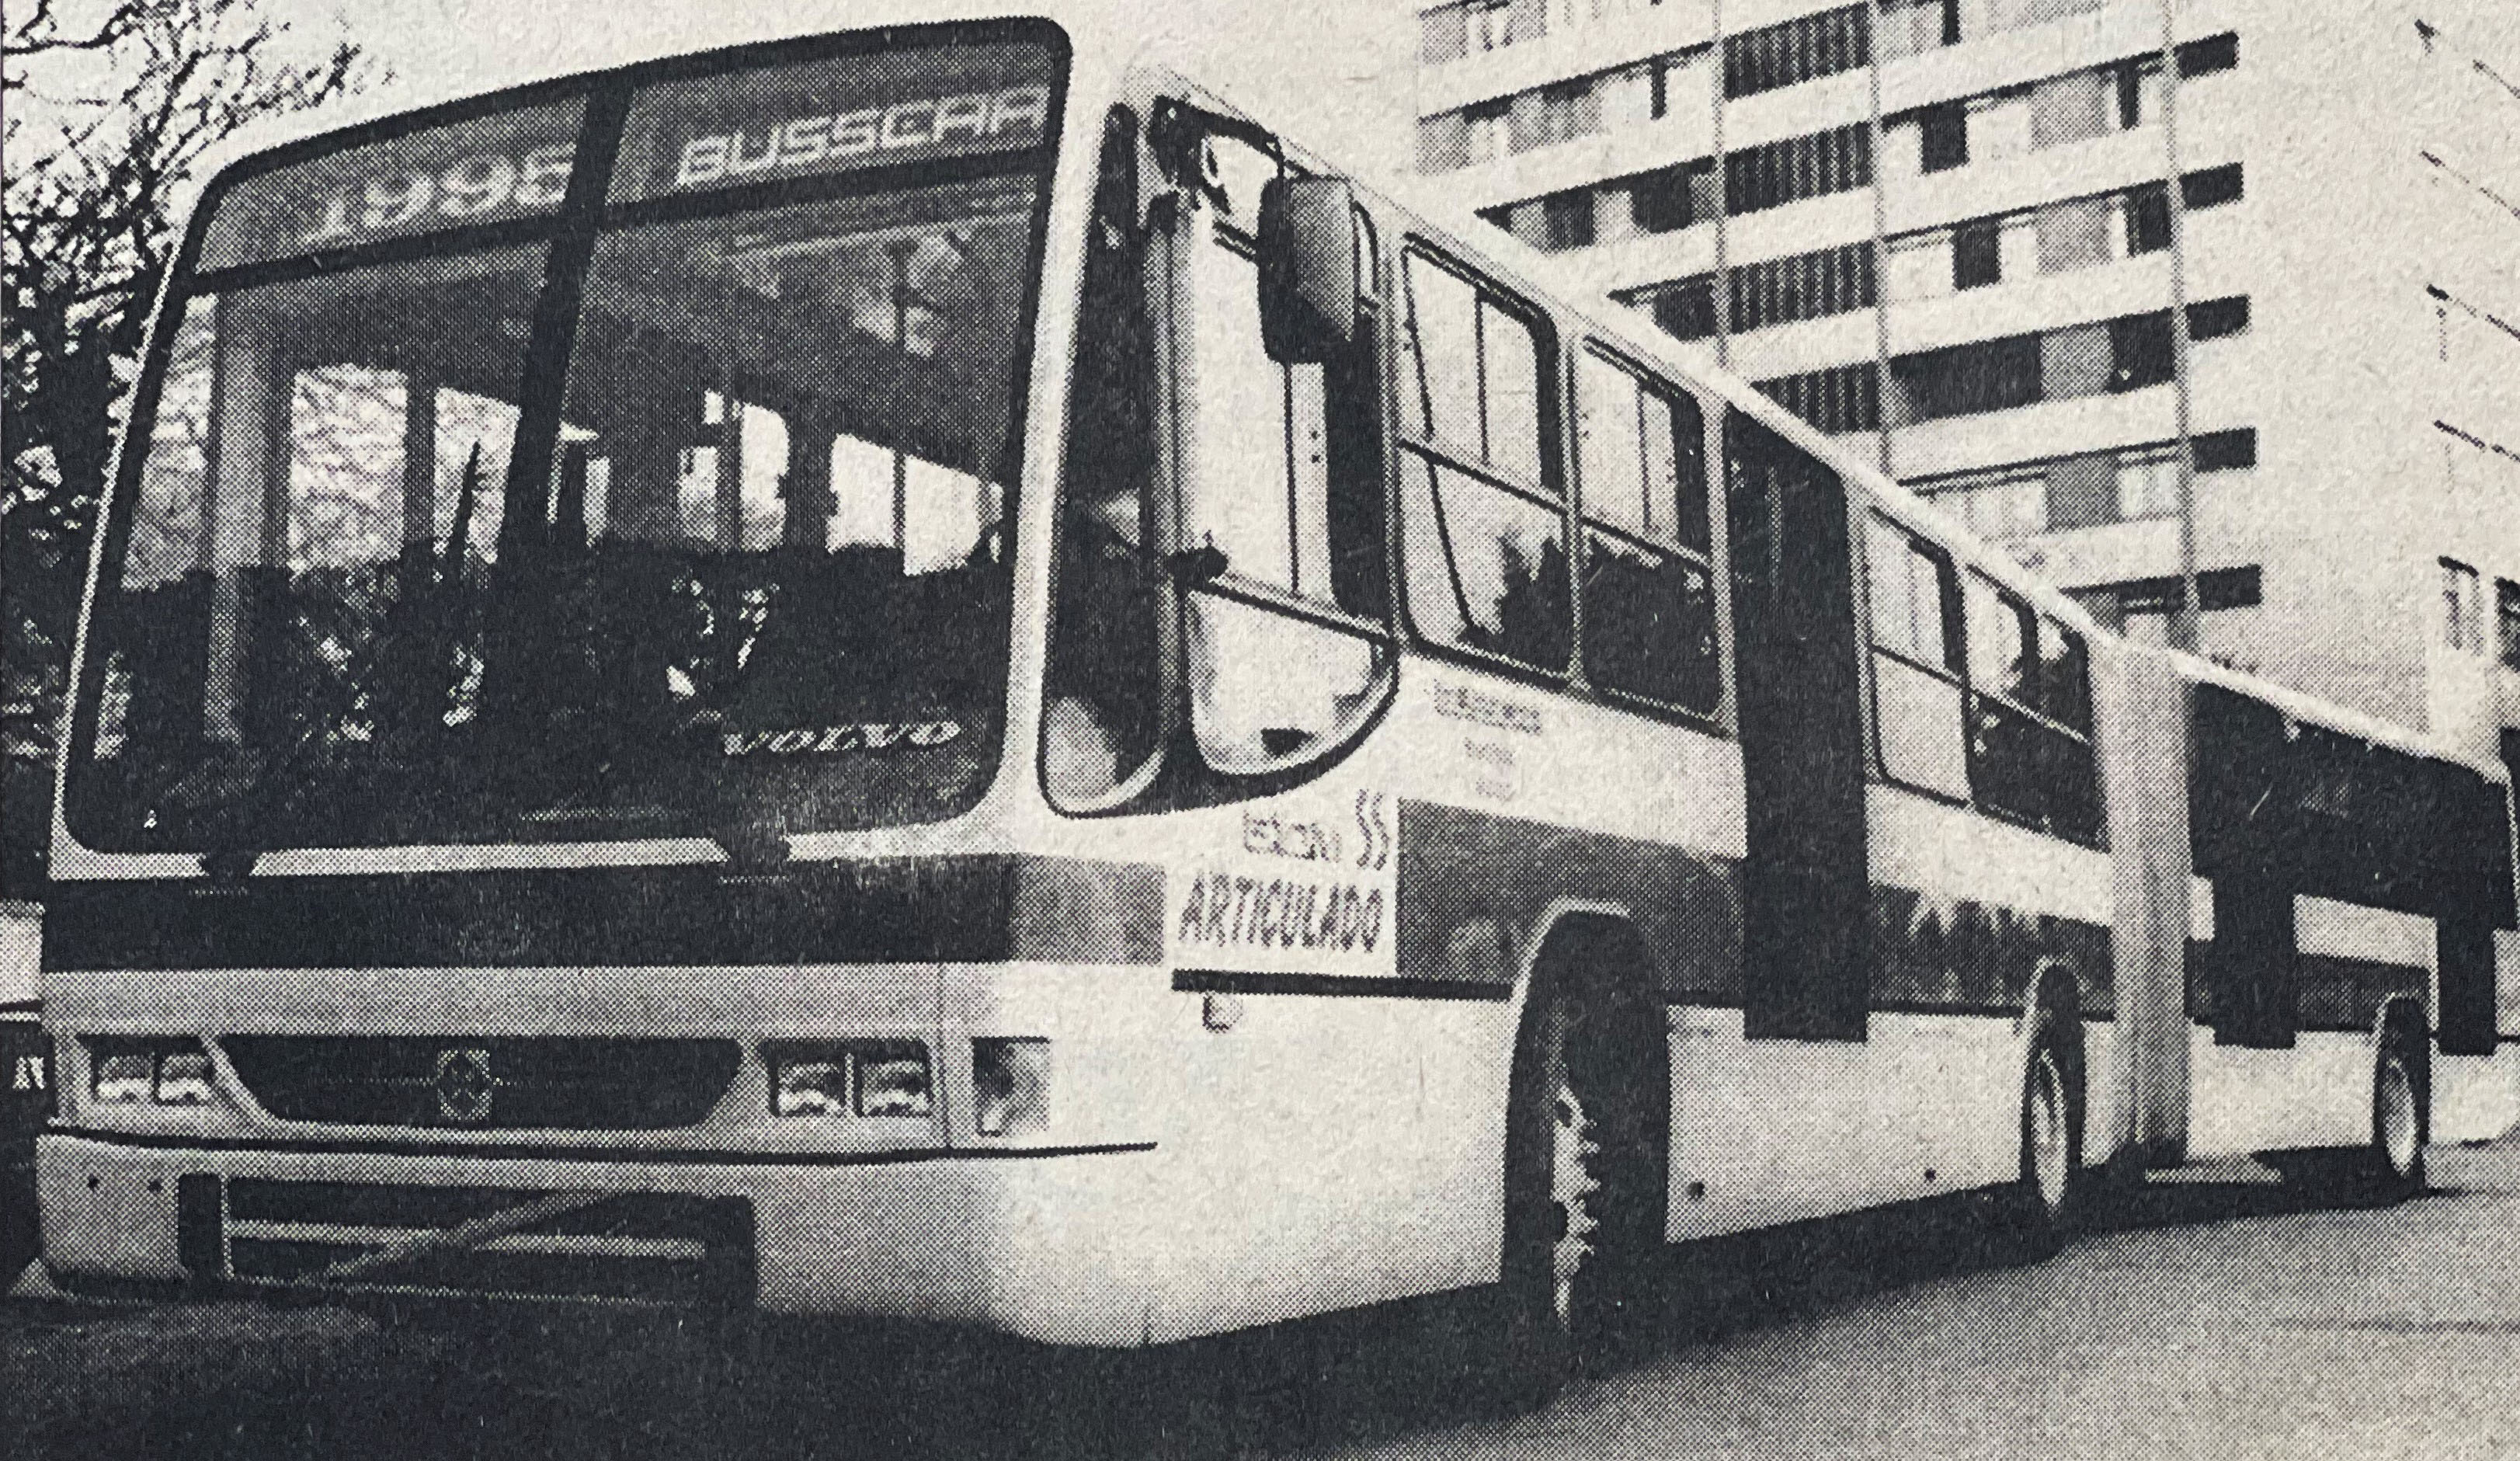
2207	1320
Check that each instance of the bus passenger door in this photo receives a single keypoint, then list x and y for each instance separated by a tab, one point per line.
1807	878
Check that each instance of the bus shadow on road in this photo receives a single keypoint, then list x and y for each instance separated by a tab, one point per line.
2272	1184
505	1383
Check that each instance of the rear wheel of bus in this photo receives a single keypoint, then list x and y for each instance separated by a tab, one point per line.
2050	1143
2400	1124
1587	1157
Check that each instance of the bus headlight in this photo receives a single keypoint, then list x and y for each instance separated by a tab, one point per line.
1010	1086
123	1078
173	1071
184	1078
809	1084
870	1077
892	1079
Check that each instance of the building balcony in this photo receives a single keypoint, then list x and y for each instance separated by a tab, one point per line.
1581	51
2105	552
1645	258
2033	432
1935	200
2041	302
1804	345
1814	223
1983	62
1613	153
1842	100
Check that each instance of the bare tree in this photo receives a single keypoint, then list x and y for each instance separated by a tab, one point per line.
111	107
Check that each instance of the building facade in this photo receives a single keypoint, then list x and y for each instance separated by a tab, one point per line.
2063	264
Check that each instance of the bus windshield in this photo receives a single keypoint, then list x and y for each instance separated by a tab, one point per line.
543	478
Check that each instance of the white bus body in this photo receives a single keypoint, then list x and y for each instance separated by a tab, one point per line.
1273	972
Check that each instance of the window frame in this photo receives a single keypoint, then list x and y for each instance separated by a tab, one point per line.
1574	207
2209	56
1409	448
2232	450
2037	629
2135	362
1179	773
1648	383
570	236
1977	255
2462	601
1258	594
2213	187
2507	618
1952	673
1977	589
2219	318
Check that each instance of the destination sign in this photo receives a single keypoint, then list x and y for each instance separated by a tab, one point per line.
838	114
1019	116
512	165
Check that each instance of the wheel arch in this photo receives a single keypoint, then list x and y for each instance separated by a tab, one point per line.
1591	947
1571	938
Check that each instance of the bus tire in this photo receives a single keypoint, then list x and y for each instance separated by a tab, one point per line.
1587	1157
2400	1121
2048	1185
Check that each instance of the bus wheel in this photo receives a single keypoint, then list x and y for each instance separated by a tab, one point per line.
2398	1124
1586	1154
2051	1148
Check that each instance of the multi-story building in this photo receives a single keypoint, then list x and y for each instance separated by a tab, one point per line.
1964	235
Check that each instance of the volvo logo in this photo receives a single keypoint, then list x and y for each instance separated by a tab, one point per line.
464	1085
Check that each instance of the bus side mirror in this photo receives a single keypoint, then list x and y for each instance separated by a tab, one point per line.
1308	268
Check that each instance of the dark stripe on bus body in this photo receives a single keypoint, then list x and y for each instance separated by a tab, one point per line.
1253	981
2333	994
1473	886
1964	955
974	909
634	1156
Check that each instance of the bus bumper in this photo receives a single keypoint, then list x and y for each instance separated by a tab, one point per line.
1034	1242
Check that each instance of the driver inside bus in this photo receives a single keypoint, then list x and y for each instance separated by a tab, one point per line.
1097	721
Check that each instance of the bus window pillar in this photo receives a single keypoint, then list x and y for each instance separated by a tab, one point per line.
730	473
805	485
244	508
2256	954
642	494
419	465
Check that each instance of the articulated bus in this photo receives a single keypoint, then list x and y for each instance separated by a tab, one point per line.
928	673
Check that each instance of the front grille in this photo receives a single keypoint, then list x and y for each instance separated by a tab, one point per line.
638	1247
485	1084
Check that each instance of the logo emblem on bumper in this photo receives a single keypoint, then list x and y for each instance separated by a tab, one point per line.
464	1085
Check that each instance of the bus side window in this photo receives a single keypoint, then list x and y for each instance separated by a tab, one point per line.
1484	521
1285	641
2072	770
1648	587
2006	740
1916	661
2030	715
